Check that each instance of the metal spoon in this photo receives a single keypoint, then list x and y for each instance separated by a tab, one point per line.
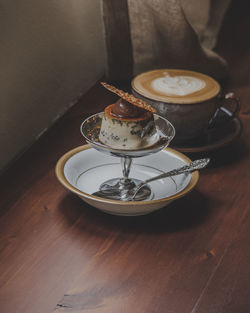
193	166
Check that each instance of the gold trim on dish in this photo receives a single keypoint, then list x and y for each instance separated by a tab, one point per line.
60	175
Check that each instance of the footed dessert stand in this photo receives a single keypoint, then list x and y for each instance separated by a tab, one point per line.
121	188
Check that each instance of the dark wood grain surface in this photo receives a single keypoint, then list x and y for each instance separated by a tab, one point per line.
58	254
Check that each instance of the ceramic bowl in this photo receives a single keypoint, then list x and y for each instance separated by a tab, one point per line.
83	169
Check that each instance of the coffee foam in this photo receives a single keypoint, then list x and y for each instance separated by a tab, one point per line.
179	85
175	86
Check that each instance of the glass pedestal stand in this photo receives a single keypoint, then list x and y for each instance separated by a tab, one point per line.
122	188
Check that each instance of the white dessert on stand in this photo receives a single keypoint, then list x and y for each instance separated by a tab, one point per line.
129	128
128	124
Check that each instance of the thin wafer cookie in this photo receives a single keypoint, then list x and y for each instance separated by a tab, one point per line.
130	98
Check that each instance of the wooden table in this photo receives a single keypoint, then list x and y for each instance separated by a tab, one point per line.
60	255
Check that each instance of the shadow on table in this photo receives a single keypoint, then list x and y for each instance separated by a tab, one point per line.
187	212
224	156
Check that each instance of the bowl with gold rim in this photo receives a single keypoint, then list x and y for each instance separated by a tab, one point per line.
83	169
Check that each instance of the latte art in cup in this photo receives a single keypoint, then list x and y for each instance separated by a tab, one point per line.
175	86
179	85
187	99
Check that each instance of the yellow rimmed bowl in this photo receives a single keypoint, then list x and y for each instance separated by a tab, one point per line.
83	169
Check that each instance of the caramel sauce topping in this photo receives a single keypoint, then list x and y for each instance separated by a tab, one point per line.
124	109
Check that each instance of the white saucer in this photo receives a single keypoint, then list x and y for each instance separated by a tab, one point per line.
83	169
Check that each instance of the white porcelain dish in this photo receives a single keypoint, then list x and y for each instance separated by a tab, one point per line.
83	169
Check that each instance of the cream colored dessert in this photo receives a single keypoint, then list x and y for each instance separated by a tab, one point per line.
128	126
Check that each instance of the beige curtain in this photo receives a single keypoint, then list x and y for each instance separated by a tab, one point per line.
148	34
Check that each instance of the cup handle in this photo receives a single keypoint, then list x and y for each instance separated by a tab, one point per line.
230	96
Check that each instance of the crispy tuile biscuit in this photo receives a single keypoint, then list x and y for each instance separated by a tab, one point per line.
130	98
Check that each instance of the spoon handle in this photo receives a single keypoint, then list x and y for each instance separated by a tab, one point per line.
193	166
